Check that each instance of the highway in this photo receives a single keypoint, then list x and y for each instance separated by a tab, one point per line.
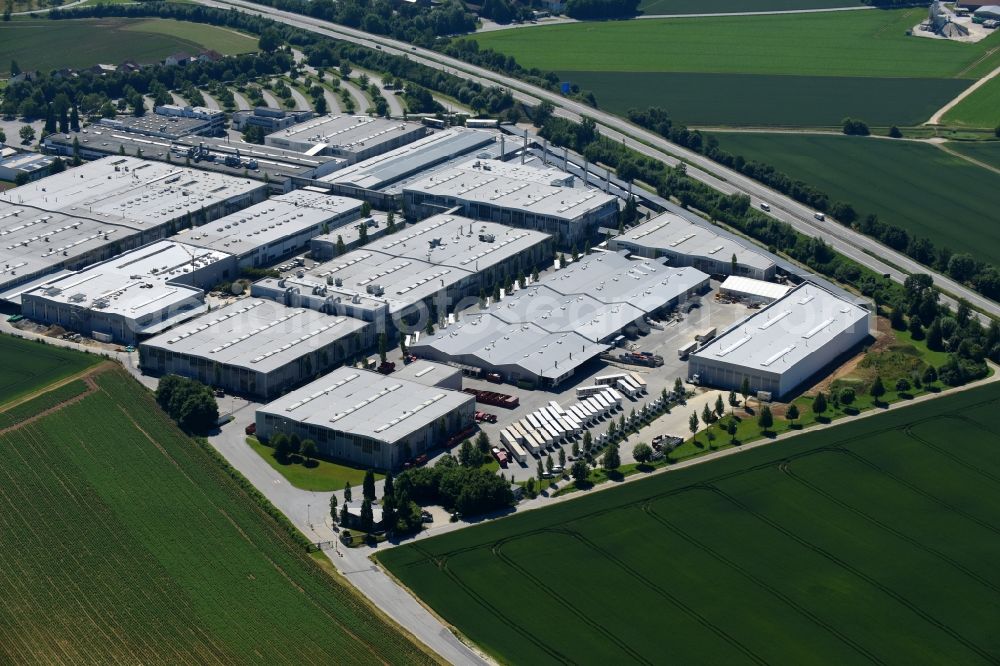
857	246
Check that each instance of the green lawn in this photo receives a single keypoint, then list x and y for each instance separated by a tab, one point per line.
316	475
980	109
724	6
866	43
46	44
869	542
916	186
763	100
124	541
28	366
987	152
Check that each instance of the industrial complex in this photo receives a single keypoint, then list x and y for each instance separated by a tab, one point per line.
456	245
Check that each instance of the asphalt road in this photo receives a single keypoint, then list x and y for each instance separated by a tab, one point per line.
862	249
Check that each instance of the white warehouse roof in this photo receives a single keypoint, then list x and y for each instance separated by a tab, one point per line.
367	404
785	332
770	291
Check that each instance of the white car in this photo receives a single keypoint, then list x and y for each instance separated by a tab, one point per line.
765	206
819	216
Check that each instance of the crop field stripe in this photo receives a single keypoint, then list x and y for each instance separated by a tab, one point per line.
785	468
760	582
855	571
951	456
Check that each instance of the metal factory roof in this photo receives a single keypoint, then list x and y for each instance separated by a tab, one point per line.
673	233
279	217
128	191
784	332
367	404
134	284
529	188
610	277
383	170
256	334
349	133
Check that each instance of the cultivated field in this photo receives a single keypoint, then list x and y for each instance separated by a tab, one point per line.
868	542
725	6
987	152
792	70
980	109
912	185
762	100
28	366
45	44
125	542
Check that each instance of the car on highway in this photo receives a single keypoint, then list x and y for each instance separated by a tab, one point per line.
765	206
819	216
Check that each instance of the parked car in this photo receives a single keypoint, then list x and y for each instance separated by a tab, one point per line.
494	377
251	429
219	393
426	517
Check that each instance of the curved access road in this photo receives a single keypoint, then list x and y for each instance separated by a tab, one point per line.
857	246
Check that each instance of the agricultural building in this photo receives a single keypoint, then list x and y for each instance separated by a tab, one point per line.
266	233
529	196
134	295
256	347
752	291
100	209
544	332
684	243
354	138
369	419
441	260
782	345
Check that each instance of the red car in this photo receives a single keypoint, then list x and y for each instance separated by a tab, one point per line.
500	455
251	429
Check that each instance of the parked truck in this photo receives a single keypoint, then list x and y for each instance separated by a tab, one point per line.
687	349
493	398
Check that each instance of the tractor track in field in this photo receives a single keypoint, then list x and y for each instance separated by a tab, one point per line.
760	582
87	376
785	469
858	573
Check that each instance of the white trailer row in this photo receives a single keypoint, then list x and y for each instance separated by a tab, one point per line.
553	424
630	383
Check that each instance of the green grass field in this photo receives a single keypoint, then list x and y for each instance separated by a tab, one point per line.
980	109
915	186
762	100
46	45
28	366
316	475
869	542
724	6
869	43
125	542
987	152
783	70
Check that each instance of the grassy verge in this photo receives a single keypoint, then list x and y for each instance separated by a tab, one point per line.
315	475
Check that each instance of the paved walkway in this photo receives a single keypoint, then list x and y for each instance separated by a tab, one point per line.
936	118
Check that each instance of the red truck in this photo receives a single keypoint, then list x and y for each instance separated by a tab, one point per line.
387	368
500	455
485	416
496	399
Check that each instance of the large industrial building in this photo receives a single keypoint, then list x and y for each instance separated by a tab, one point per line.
378	179
543	333
435	263
256	347
526	195
684	243
163	127
133	295
369	419
98	210
784	344
266	233
353	138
